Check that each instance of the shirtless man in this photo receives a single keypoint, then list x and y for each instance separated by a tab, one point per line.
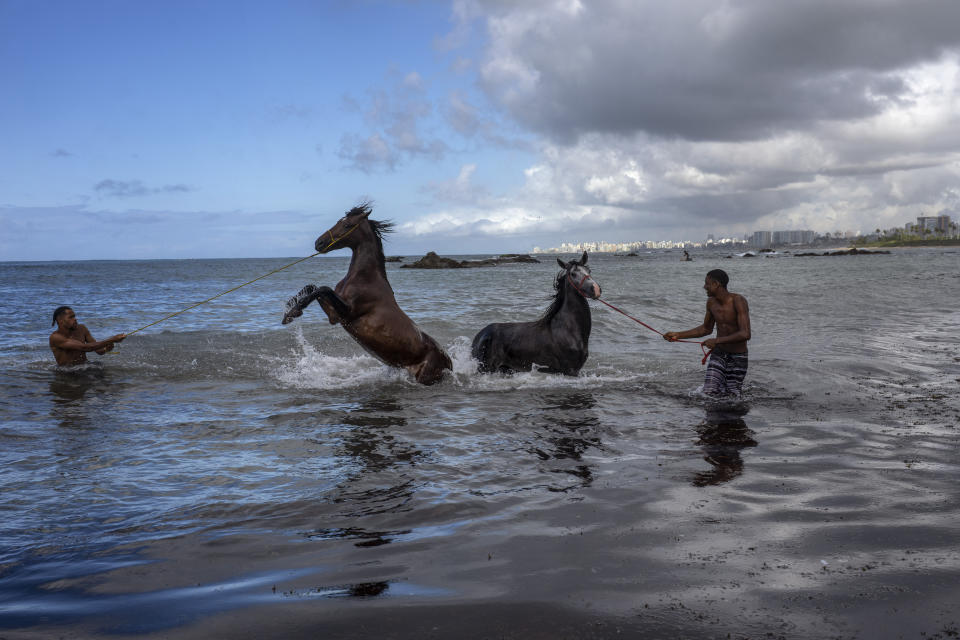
727	366
71	341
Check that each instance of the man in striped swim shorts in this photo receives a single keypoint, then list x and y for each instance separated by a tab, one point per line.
727	366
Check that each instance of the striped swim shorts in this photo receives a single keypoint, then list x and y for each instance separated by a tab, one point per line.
725	373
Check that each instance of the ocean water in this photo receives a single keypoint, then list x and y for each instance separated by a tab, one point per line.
226	476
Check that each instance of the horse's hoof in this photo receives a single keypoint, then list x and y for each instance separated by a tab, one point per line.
290	315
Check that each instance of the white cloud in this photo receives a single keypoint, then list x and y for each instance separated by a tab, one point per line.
815	114
396	119
497	221
367	154
135	188
460	189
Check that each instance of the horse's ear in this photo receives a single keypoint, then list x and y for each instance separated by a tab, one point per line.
583	260
363	210
563	265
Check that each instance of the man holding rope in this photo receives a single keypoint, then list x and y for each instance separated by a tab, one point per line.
727	366
71	341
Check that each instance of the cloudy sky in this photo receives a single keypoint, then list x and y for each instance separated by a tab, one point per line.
233	129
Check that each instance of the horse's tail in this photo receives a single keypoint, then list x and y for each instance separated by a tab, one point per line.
481	347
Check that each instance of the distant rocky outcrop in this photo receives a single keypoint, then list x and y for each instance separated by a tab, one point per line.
393	259
855	252
516	257
433	261
843	252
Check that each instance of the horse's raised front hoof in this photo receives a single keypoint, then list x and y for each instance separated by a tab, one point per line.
290	315
295	305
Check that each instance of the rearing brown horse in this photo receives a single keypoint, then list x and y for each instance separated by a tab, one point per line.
363	302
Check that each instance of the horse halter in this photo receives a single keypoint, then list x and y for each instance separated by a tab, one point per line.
578	287
334	241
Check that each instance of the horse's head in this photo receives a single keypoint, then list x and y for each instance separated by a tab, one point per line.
345	233
577	273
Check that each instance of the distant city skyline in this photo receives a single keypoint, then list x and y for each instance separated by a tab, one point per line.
600	246
757	238
762	238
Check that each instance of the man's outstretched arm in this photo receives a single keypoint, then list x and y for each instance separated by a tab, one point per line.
70	344
704	329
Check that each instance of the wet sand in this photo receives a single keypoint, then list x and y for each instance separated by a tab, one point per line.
752	534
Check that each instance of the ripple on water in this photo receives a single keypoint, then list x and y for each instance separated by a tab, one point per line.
199	469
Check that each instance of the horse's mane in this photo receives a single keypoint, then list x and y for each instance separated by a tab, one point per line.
558	299
379	228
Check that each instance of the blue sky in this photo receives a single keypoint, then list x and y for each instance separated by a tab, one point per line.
236	129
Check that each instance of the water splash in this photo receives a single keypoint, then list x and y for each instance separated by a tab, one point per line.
465	374
308	368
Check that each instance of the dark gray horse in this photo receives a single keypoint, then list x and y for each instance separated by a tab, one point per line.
557	342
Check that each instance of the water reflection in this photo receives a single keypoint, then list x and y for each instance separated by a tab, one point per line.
568	428
723	433
69	389
367	589
365	537
377	461
357	590
69	385
371	442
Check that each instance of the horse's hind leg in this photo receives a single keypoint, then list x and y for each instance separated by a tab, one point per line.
430	371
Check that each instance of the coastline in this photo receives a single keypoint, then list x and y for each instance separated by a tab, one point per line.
909	244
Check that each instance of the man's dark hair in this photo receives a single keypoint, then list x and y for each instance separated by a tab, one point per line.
59	311
720	276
